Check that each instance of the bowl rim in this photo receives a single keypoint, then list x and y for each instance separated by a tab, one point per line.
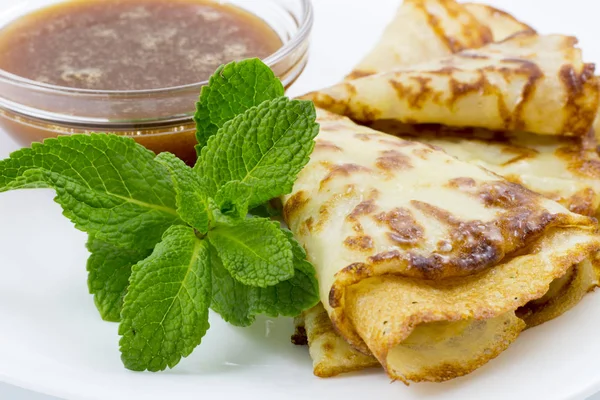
304	29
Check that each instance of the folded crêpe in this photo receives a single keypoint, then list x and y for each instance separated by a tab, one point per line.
532	83
423	30
501	24
423	259
564	169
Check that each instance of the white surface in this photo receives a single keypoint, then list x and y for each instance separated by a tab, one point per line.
52	340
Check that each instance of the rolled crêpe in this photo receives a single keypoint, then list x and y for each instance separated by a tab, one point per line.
423	30
423	259
501	24
564	169
537	84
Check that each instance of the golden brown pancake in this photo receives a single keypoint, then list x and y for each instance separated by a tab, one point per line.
537	84
410	243
563	169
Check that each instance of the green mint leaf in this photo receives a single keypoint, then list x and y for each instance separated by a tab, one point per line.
192	200
109	268
232	90
266	148
255	251
109	186
232	199
238	304
165	314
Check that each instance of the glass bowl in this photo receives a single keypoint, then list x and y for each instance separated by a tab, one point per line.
160	119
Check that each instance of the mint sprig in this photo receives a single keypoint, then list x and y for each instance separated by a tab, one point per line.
167	241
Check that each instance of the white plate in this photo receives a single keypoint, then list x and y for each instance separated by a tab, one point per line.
52	340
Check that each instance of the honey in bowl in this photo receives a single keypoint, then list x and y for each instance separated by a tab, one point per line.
127	45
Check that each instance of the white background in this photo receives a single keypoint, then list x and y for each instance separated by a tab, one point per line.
344	31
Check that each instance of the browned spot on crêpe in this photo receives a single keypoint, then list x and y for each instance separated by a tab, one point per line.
294	205
324	214
581	159
583	202
358	228
327	347
461	88
335	297
533	74
366	113
481	85
582	101
325	210
423	152
444	246
393	160
359	269
415	95
327	145
363	208
461	183
353	273
387	256
506	195
357	74
405	230
366	137
342	170
475	246
347	105
472	35
309	222
520	153
522	222
329	103
514	178
359	243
